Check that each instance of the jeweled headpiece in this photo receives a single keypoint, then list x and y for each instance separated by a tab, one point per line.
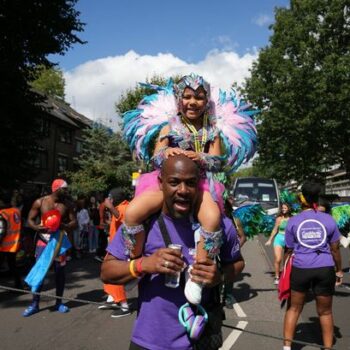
192	81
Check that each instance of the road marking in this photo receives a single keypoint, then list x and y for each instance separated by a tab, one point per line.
238	309
233	336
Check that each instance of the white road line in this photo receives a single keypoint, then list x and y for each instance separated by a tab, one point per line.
238	309
233	336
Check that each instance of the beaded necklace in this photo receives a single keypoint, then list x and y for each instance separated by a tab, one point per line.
198	144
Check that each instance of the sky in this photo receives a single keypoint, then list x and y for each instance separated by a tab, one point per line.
129	41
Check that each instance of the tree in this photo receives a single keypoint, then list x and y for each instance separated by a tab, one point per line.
301	82
49	81
29	32
105	162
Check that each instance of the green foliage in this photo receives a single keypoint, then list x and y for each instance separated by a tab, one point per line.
30	31
105	162
246	172
301	82
49	81
132	97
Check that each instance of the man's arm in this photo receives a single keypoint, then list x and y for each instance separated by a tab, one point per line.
240	232
72	224
114	271
108	204
33	214
231	271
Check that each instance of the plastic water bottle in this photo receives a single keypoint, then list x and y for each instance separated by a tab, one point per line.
173	281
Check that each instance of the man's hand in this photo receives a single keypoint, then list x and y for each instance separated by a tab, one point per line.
206	272
164	260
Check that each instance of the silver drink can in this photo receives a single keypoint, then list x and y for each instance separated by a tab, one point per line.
173	281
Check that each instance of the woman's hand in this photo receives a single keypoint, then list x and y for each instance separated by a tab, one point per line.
172	151
192	155
268	242
164	260
339	278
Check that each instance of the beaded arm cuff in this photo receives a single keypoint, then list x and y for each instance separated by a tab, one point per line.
212	241
211	163
128	234
159	158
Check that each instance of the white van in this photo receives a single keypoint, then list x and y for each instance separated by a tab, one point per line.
256	190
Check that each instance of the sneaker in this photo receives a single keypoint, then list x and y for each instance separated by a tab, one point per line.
108	306
193	292
62	308
346	270
276	281
98	258
228	304
120	313
229	301
30	310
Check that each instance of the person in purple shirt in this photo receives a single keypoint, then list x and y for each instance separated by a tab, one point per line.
157	326
313	238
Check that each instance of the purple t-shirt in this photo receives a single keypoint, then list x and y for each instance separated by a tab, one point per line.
310	234
156	326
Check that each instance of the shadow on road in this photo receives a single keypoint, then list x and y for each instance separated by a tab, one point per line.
310	332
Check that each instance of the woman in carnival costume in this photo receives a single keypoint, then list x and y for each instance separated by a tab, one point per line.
277	237
208	126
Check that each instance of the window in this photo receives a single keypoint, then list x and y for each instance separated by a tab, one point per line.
78	146
44	127
65	135
40	160
62	163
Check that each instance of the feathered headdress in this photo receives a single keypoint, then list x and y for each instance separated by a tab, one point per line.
254	220
341	215
291	199
230	115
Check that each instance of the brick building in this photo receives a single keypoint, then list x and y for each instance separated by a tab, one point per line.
61	141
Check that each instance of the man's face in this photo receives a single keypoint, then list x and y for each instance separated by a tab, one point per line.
179	183
62	194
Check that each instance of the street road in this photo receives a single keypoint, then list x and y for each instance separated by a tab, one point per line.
255	322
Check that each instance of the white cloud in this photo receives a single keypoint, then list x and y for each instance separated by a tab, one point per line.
262	20
224	42
93	87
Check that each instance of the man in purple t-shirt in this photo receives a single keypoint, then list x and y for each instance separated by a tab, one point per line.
313	237
157	326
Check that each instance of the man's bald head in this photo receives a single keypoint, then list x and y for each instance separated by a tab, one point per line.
179	182
179	160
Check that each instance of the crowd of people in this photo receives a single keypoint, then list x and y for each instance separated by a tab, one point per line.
88	224
176	239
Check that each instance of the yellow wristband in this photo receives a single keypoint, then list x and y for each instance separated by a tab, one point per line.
132	270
